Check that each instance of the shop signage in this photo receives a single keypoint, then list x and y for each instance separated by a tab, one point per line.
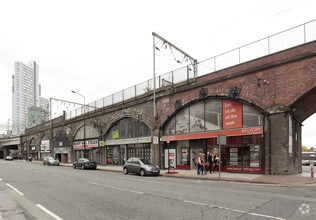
129	141
171	160
212	134
221	139
79	145
115	134
155	140
232	114
44	146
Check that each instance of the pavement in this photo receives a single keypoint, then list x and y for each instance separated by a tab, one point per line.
302	179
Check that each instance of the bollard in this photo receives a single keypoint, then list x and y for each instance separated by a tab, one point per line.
312	169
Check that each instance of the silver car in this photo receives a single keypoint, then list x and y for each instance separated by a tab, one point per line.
51	161
140	166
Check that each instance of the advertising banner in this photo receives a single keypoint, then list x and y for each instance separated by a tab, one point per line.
45	146
79	145
232	114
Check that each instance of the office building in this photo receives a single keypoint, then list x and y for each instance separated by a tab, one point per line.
25	94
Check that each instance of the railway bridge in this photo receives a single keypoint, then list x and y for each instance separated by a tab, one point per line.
259	102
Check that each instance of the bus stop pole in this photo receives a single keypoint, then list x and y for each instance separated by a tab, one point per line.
219	161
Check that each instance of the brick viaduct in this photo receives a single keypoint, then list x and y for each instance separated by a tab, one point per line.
282	86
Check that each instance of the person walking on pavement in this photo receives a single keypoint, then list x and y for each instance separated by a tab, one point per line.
203	164
216	161
199	163
210	162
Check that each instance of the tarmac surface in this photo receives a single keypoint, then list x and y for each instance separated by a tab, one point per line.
280	180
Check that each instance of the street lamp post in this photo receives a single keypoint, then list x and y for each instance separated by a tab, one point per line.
84	122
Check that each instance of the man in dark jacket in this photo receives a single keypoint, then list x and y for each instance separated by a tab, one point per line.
210	162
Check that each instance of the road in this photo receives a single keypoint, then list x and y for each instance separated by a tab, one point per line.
46	192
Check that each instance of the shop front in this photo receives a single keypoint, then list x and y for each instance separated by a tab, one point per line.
193	130
33	150
86	144
86	149
126	138
62	147
44	148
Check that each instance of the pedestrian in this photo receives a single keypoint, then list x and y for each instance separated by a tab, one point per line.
199	163
216	161
203	164
210	162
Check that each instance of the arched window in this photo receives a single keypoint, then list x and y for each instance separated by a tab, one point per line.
128	128
91	132
251	116
207	115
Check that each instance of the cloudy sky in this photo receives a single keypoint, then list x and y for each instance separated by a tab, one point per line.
99	47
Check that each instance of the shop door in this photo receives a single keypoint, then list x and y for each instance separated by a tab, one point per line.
194	153
170	156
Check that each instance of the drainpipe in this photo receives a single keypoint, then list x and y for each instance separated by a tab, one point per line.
269	121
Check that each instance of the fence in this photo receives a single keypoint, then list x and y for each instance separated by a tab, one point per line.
290	38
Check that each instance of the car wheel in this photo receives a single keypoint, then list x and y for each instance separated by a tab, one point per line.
125	171
82	167
74	166
142	172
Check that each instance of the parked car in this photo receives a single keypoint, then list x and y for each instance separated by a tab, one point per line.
8	158
140	166
305	162
85	163
51	161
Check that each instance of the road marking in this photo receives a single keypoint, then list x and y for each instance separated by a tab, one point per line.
98	184
122	189
49	212
0	179
195	203
117	188
234	210
265	216
69	178
40	172
15	189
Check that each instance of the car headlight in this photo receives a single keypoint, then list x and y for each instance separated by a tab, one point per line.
148	168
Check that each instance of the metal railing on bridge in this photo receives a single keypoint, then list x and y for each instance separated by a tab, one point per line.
281	41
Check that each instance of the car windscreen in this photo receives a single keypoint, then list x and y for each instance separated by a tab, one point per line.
145	161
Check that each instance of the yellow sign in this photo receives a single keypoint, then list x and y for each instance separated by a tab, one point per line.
101	143
115	134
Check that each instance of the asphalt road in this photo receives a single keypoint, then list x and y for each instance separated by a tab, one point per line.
34	191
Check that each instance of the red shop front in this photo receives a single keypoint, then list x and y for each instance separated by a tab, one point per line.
243	151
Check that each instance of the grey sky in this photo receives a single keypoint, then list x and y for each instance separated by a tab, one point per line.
100	47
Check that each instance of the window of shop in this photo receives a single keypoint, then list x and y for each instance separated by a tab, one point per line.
128	128
139	150
242	153
197	122
213	114
170	128
182	121
251	116
183	158
115	155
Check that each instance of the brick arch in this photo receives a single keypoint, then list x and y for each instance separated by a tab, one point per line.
305	105
36	138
